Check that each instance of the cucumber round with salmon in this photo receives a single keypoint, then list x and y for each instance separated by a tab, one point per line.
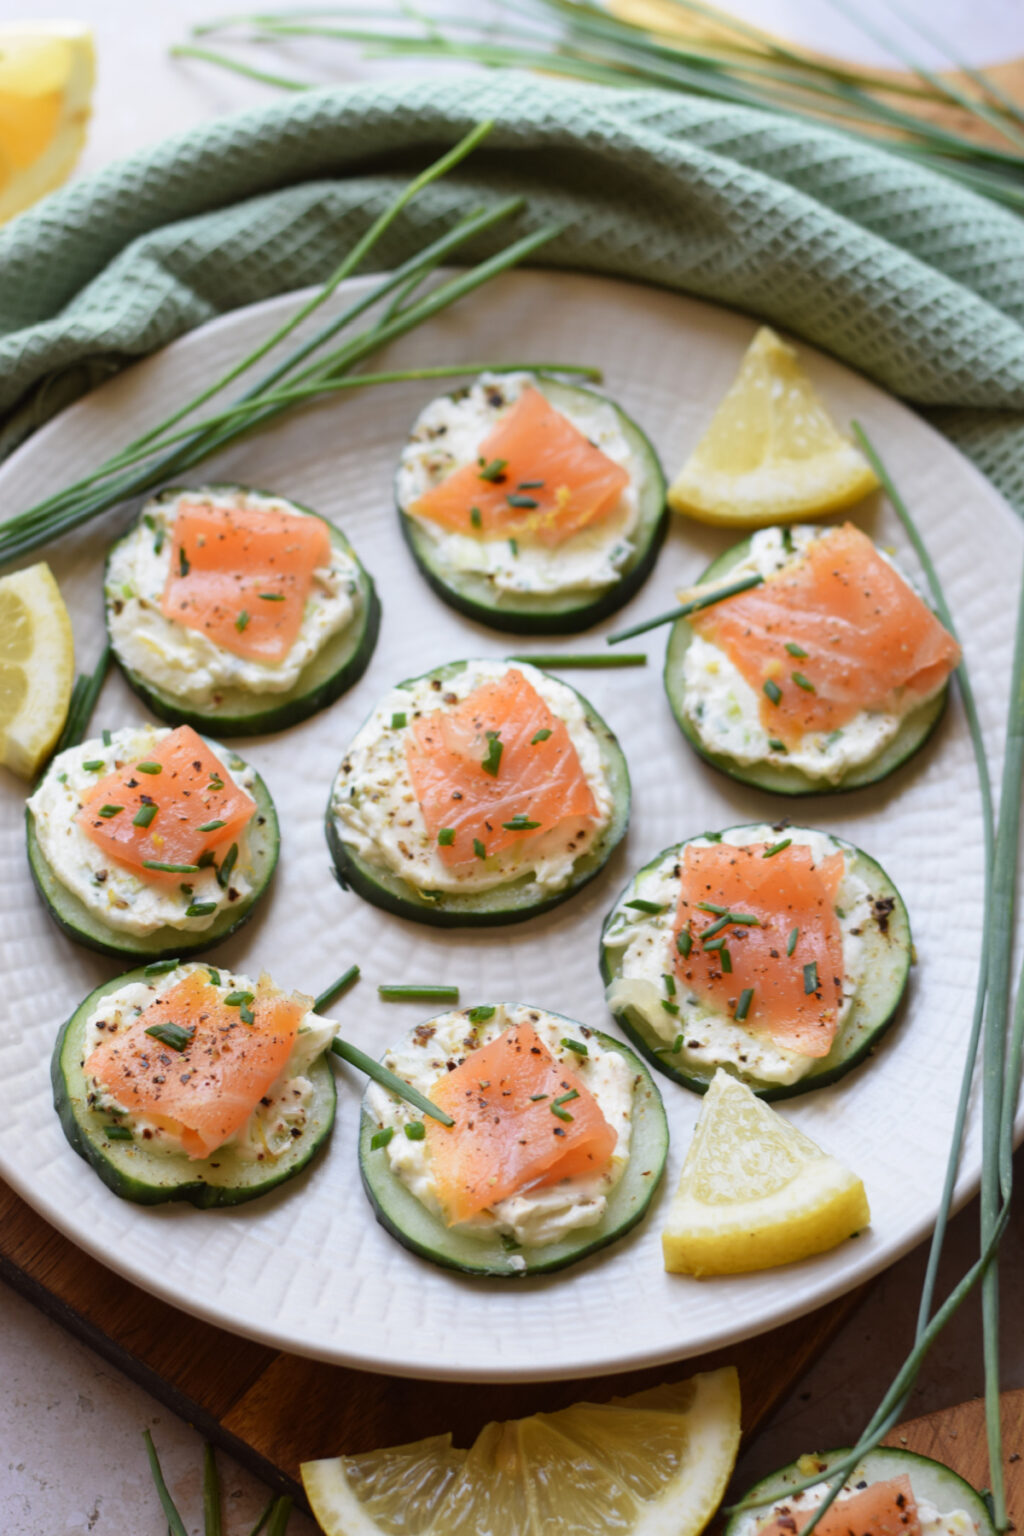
827	673
149	842
180	1081
778	953
531	505
237	611
483	792
557	1145
888	1490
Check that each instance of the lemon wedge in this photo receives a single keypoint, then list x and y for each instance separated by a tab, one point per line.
755	1192
37	666
46	79
772	453
656	1464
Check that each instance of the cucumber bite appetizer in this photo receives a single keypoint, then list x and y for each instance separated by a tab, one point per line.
530	505
483	792
151	842
828	672
778	953
558	1142
182	1082
237	611
888	1491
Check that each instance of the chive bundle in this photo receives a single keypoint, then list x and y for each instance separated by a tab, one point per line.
274	1520
83	701
170	448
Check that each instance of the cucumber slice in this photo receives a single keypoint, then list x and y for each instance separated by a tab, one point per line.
85	927
398	1210
575	608
135	1173
770	774
241	712
929	1479
887	960
512	902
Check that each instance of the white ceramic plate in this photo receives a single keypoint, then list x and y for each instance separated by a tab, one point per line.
308	1269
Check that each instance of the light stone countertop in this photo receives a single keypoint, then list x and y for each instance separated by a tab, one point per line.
71	1454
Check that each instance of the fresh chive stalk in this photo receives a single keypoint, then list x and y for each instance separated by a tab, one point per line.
336	988
175	1524
373	1069
211	1494
412	992
698	599
586	661
84	696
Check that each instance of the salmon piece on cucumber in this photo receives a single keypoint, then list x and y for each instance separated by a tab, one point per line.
882	1509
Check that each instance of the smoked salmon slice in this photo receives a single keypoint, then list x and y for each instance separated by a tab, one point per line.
496	770
836	631
229	1057
522	1121
795	985
883	1509
536	479
177	806
242	575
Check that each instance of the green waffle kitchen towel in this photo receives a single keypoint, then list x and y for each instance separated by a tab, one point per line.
900	273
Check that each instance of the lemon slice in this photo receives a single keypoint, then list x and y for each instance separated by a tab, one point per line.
772	453
37	665
46	80
755	1192
655	1464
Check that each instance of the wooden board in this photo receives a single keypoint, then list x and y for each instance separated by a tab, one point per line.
957	1437
273	1410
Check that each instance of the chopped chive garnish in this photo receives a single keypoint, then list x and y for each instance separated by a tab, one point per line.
446	836
118	1132
216	783
811	977
803	682
567	1098
787	540
711	906
718	943
94	765
415	1130
482	1014
775	848
670	1050
336	988
576	1046
726	960
795	650
684	942
399	720
402	993
183	563
639	904
529	485
161	967
206	858
712	929
271	597
556	1105
228	863
743	1006
210	826
509	1243
214	976
513	545
381	1138
236	999
394	1084
494	470
700	598
175	1036
520	823
536	1098
772	689
200	908
144	816
541	735
170	869
242	619
669	1006
246	1014
526	502
584	659
794	934
476	517
479	849
492	757
152	768
107	738
106	811
670	984
776	745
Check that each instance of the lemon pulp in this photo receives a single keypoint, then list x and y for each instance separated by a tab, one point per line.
37	663
46	80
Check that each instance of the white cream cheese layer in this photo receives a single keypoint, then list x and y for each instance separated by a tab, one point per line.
111	891
934	1522
643	946
278	1119
185	662
725	711
448	434
533	1218
379	816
